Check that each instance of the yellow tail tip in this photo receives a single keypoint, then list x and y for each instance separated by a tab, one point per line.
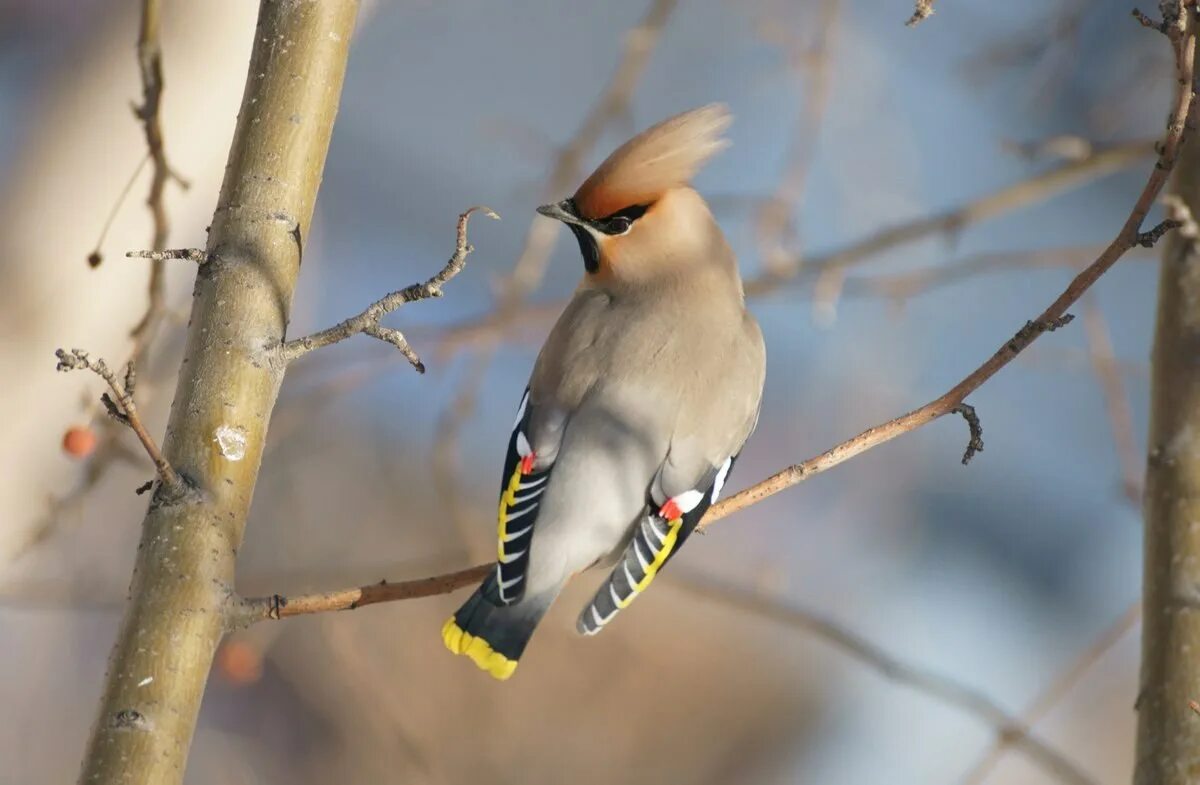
459	641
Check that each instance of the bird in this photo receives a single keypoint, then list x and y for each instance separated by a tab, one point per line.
639	402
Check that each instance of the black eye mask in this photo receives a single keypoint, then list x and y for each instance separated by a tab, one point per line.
620	221
617	223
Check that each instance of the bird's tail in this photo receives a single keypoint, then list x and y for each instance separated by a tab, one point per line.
494	635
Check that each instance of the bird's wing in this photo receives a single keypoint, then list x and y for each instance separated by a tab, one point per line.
532	449
666	524
713	422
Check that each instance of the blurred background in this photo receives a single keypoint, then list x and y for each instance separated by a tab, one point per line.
880	623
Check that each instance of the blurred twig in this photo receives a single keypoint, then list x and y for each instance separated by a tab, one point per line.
1031	190
1116	399
149	53
487	329
1057	689
1009	730
149	57
922	10
904	286
542	235
775	218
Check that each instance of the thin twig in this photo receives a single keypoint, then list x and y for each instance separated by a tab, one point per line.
125	410
96	257
613	103
197	255
1057	689
367	322
922	11
937	686
775	228
1116	399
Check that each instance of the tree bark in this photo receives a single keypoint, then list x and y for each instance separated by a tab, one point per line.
184	573
1168	741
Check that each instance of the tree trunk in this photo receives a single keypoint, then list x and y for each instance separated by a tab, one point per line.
1168	742
228	382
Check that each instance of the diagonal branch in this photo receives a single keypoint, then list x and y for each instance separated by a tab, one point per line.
1008	728
1039	187
368	322
1059	687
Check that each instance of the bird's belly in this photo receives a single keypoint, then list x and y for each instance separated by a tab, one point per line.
597	493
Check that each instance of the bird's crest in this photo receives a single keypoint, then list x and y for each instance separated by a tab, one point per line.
662	157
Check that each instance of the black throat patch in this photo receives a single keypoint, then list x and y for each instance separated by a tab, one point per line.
588	248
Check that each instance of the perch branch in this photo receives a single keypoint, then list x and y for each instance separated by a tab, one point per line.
952	401
367	322
125	411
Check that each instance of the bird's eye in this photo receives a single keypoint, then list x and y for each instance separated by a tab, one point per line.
618	225
620	221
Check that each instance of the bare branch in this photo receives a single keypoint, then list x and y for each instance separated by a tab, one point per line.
1051	318
934	685
613	103
149	53
1057	689
125	411
367	322
775	229
1039	187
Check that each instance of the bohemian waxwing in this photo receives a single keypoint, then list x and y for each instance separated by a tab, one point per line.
639	402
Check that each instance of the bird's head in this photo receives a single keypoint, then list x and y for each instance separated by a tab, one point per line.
636	215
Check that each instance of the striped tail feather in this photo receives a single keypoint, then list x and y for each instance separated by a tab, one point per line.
652	544
494	635
655	540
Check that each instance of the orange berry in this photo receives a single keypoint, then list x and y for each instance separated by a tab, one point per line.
79	441
239	662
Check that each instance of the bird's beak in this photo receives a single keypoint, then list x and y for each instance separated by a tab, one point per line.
561	211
